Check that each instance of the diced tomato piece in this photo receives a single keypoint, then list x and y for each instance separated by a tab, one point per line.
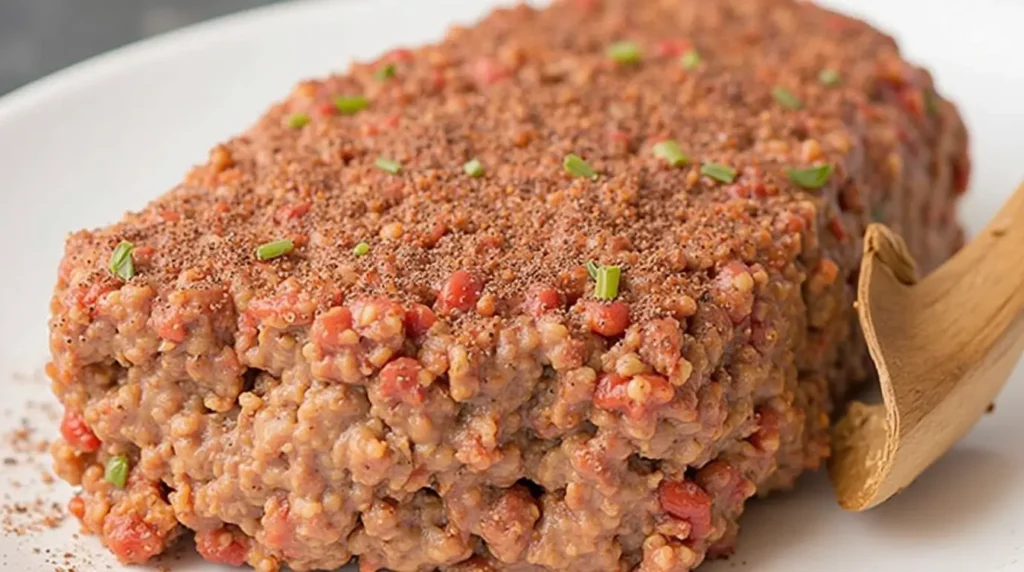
609	320
278	530
913	102
170	326
723	480
84	297
672	47
221	547
287	212
460	292
400	382
76	506
435	235
169	216
619	136
418	320
543	299
328	327
487	71
327	108
651	392
131	539
77	433
686	501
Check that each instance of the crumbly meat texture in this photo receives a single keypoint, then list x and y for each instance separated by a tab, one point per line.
457	398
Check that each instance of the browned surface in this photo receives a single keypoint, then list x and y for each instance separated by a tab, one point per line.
524	439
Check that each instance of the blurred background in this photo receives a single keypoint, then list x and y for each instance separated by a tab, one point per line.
41	36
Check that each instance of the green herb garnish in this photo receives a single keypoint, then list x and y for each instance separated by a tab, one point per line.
671	153
812	178
275	249
624	52
298	121
116	471
607	287
474	168
121	264
786	98
388	165
351	104
828	77
719	172
361	249
577	167
592	269
385	72
690	60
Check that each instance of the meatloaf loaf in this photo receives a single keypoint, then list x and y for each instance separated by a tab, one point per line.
561	292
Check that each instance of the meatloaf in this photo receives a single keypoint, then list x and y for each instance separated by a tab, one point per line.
561	292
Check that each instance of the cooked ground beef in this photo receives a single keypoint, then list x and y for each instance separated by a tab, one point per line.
457	397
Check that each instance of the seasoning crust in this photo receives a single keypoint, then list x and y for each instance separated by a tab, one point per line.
561	292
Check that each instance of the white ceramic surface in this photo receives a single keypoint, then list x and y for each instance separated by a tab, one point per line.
79	148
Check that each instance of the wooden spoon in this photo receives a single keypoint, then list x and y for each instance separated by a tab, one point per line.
944	347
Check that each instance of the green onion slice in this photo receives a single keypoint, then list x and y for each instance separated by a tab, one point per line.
786	98
607	287
474	168
828	77
812	178
298	121
719	172
624	52
577	167
388	165
121	264
671	153
690	60
116	471
275	249
351	104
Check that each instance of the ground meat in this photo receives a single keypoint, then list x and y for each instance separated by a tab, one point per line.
453	393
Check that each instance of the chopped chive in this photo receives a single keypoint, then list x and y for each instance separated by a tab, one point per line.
607	282
690	60
931	105
671	153
298	121
121	264
828	77
624	53
274	249
116	471
592	269
719	172
474	168
351	104
361	249
812	178
385	72
388	165
577	167
786	98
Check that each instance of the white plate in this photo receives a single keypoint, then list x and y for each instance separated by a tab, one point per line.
79	148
